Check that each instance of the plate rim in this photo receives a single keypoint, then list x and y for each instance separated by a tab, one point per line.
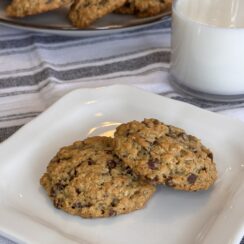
134	89
137	24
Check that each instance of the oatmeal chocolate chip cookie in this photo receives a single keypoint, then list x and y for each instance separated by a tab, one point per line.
145	8
84	12
87	180
165	154
22	8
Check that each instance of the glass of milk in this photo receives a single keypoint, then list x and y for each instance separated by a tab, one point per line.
208	48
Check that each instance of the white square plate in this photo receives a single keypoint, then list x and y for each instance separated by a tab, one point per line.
214	216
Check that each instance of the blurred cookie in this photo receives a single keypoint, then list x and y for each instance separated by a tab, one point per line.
165	155
85	12
148	8
87	180
22	8
145	8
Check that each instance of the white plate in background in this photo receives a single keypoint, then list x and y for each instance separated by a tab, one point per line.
172	217
56	22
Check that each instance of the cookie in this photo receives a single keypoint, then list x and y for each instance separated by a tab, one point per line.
22	8
87	180
85	12
165	154
145	8
148	8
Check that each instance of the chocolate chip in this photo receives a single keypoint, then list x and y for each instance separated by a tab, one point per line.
58	203
59	187
169	182
127	133
128	170
210	155
87	205
115	202
112	212
58	160
111	164
79	205
127	5
56	188
192	178
155	180
153	164
90	161
76	205
78	191
155	143
135	193
53	192
102	211
204	169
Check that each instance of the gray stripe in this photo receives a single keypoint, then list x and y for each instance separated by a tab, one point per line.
49	82
6	132
27	41
213	106
52	39
85	72
167	93
17	34
43	64
229	107
70	43
11	117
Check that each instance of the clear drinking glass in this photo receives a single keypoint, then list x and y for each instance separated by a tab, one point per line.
208	48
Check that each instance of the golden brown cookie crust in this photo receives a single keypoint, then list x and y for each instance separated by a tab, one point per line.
85	12
165	155
22	8
87	180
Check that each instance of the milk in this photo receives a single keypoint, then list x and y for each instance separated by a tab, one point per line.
208	45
